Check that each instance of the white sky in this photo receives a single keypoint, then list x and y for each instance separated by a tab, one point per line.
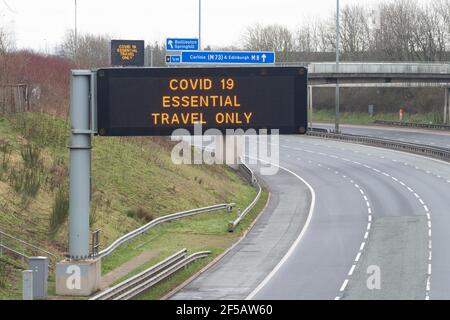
41	24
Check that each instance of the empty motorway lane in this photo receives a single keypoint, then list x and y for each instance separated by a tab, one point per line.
433	138
375	210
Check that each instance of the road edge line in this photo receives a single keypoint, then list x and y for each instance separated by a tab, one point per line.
296	242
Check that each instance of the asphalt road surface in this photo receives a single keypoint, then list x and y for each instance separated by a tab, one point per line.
430	137
364	223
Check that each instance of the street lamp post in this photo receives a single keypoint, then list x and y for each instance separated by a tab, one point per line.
200	24
336	129
76	34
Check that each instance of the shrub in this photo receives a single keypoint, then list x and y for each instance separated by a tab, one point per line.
4	273
5	149
25	180
60	211
31	156
59	173
140	214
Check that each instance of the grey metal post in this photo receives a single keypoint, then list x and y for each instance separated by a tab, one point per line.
27	285
80	165
448	106
310	103
199	24
151	57
337	68
76	31
445	105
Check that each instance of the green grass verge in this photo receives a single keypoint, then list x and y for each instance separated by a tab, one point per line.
196	231
328	116
127	174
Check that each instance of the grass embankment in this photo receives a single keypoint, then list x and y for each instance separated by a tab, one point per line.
134	181
205	232
327	116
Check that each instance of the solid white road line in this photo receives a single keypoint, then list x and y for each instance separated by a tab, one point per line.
296	242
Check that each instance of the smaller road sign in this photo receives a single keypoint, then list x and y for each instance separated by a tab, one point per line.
173	59
181	44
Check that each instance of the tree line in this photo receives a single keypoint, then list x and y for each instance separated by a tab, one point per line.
400	30
392	30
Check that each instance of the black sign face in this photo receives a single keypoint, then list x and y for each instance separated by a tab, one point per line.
156	101
127	52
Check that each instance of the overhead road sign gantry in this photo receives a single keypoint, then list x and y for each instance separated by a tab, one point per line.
181	44
156	101
228	57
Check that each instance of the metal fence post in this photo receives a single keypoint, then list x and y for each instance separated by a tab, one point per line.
80	165
310	106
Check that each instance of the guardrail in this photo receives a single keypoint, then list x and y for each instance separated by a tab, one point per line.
251	178
433	152
24	246
143	281
413	124
254	182
183	214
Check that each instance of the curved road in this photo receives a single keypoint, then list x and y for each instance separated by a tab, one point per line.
378	229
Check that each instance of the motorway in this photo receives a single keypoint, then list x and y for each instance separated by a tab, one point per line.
366	209
433	138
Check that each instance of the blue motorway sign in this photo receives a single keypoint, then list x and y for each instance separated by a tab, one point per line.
228	57
181	44
173	59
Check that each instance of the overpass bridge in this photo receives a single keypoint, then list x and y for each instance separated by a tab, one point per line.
377	72
380	75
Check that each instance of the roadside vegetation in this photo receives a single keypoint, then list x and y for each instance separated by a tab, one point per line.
134	181
206	232
328	116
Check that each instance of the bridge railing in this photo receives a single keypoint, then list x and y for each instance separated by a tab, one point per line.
373	67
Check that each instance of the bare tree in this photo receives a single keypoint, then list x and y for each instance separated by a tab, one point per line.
90	50
395	32
307	37
6	47
157	52
428	34
271	37
355	31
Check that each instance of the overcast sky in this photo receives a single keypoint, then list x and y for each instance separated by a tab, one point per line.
41	24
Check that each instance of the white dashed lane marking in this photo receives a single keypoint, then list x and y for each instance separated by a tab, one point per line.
416	195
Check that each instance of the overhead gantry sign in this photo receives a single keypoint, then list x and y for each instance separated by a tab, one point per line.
156	101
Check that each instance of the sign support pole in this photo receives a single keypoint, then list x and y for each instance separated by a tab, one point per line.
445	105
310	106
448	106
80	166
199	24
79	275
336	127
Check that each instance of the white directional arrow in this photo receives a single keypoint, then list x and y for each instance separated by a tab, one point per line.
264	57
170	43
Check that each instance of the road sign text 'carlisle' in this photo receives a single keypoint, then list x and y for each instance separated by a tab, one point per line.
228	57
